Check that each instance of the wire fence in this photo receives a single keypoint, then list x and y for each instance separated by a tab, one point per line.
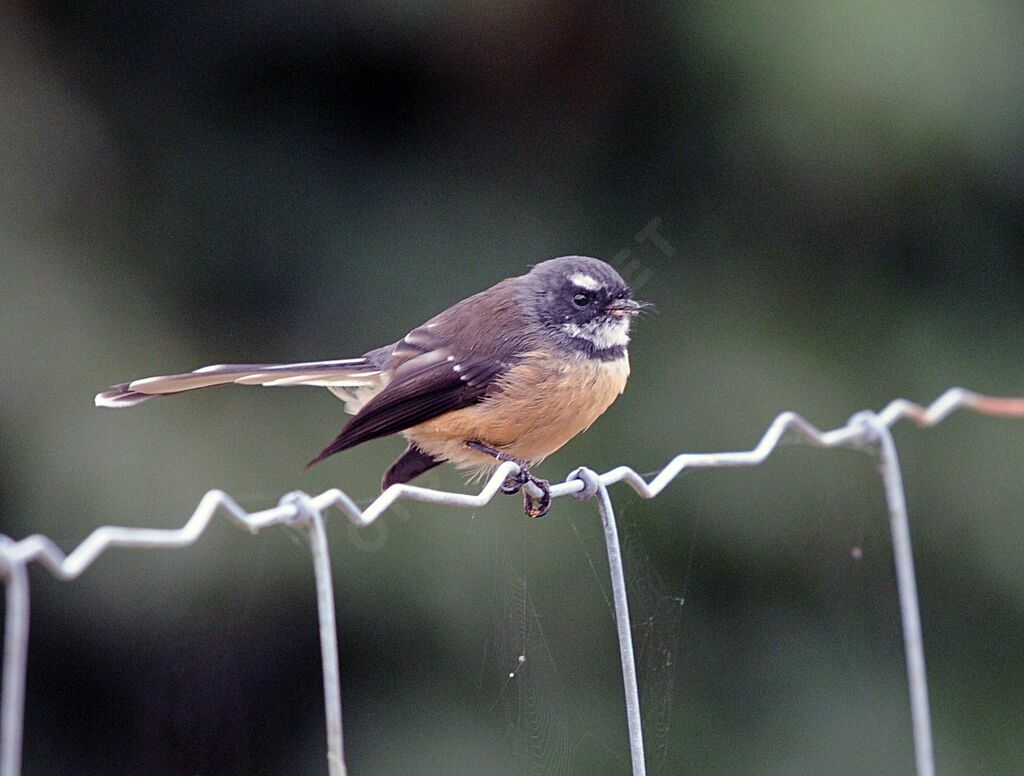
867	431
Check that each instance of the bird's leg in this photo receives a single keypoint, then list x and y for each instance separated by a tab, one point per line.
514	482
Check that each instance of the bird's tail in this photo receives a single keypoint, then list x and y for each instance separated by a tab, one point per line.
353	380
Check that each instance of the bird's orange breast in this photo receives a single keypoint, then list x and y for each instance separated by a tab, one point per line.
537	406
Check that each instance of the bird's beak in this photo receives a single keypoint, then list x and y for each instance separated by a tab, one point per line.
621	308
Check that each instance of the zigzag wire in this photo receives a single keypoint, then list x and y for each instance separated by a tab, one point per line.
45	551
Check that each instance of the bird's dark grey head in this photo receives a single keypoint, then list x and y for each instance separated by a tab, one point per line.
584	303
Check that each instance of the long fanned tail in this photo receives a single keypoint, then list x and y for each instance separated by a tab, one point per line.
354	380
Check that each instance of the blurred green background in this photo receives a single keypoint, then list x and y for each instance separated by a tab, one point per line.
838	195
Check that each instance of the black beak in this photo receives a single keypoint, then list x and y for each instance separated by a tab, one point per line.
623	307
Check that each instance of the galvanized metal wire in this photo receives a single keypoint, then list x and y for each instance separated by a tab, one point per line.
868	431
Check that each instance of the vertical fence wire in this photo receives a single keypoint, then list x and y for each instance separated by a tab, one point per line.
314	523
623	625
910	615
866	431
12	704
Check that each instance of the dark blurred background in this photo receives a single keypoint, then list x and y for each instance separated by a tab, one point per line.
826	204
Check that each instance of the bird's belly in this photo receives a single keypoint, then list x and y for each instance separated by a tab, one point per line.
538	407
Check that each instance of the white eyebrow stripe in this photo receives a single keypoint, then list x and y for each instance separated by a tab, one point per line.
584	280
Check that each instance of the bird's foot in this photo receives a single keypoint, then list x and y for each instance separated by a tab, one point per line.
537	507
533	507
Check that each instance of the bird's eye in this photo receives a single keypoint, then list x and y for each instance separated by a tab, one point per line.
581	299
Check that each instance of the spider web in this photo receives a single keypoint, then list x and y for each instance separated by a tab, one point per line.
530	701
657	625
520	674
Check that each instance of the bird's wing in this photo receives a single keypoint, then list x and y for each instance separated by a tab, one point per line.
431	378
341	373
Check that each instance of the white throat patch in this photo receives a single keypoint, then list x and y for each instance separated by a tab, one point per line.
603	334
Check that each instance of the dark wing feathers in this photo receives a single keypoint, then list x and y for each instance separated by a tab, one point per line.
448	363
416	395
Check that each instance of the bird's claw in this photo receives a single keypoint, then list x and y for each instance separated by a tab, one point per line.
514	482
537	507
532	506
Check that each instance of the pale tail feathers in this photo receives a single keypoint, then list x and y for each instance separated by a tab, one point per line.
353	380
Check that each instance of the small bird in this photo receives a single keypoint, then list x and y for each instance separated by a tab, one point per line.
509	374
